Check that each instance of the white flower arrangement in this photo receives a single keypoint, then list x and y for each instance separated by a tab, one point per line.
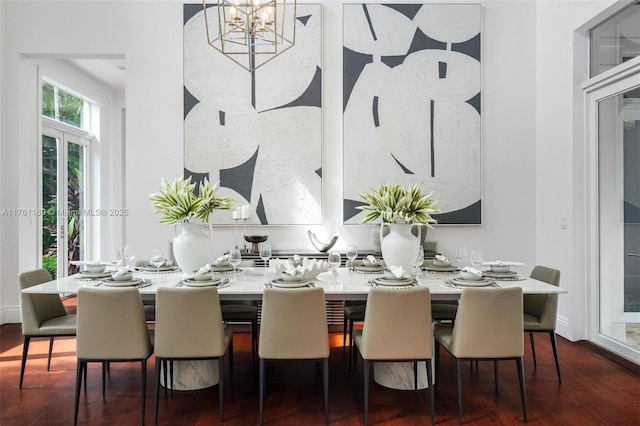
396	204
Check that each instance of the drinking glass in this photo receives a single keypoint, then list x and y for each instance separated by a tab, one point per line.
234	259
352	253
129	254
461	254
418	259
265	255
476	258
334	262
115	257
157	259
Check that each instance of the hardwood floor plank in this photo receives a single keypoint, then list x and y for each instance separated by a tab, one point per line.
594	391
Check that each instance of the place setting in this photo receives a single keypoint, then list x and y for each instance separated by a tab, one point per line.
500	270
203	277
123	277
394	277
371	265
301	275
470	277
441	264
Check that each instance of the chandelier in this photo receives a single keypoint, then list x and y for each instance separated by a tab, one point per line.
251	33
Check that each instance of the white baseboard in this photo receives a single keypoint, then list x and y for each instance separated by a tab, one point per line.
9	314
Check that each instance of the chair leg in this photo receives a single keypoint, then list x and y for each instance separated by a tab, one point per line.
165	366
221	386
554	345
344	334
354	360
261	384
104	375
143	390
85	376
415	375
25	350
459	380
50	350
230	350
436	354
171	375
351	350
431	392
523	395
533	348
366	391
159	363
254	343
495	375
325	381
80	366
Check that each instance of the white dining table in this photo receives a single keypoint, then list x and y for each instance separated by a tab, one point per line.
249	284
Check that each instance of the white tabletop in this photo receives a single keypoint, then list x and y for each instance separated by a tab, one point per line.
250	283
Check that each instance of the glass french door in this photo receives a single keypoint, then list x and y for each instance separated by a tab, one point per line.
64	169
615	141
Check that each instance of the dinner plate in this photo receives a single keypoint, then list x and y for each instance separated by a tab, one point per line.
95	274
449	268
289	284
151	268
364	268
110	282
394	281
190	282
472	283
227	268
508	274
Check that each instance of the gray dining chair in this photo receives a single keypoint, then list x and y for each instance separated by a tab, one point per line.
397	328
111	328
189	327
488	327
42	315
541	310
294	326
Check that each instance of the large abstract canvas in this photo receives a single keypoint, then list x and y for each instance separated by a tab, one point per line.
411	104
258	133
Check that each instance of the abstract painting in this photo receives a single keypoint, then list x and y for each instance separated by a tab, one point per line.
257	133
411	104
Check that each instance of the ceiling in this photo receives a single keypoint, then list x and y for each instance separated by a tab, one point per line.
109	71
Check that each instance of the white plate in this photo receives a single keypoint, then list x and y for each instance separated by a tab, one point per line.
394	281
508	274
151	268
472	283
289	284
94	274
364	268
434	268
190	282
110	282
228	268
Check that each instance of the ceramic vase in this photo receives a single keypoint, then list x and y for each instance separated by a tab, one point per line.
191	247
399	244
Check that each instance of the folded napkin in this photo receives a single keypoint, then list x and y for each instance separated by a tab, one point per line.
158	258
204	270
472	270
297	259
372	259
292	270
502	263
121	272
222	260
397	271
442	258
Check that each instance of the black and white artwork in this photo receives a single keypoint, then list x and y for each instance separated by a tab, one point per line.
411	104
257	133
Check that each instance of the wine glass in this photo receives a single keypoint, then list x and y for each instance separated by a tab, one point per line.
157	259
234	259
418	259
476	258
115	257
129	254
352	253
461	254
265	255
334	262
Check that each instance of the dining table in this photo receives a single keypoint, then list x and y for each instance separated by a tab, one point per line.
248	283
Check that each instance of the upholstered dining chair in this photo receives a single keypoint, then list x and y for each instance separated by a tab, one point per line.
397	327
488	327
353	312
243	311
111	328
294	326
42	315
189	327
540	312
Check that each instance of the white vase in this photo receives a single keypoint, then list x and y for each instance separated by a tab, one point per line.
399	244
191	247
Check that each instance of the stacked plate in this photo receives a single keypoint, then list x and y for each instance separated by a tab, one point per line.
482	282
393	281
163	268
364	268
289	284
110	282
94	275
190	282
503	275
226	268
448	268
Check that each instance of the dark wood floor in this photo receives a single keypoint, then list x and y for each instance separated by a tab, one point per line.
594	391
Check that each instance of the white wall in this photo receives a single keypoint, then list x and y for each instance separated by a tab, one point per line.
149	34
